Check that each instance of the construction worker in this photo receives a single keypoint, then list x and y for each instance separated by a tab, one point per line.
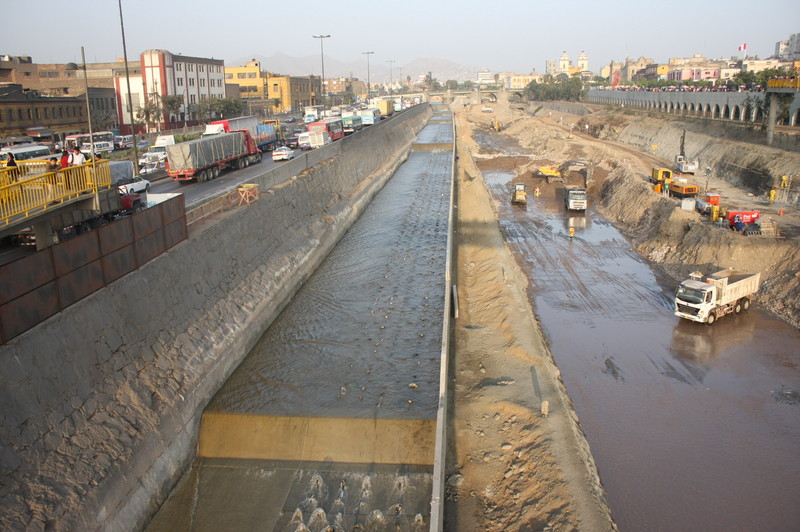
784	181
536	192
772	196
571	232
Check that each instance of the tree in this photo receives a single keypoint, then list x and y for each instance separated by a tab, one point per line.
227	107
151	112
201	110
172	106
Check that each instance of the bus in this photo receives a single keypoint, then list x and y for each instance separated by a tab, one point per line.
351	124
333	126
370	116
72	141
24	152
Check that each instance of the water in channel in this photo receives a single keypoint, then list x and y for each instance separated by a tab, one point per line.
357	346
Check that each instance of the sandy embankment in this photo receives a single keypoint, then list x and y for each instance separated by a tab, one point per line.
509	466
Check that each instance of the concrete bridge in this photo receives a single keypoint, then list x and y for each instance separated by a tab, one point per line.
745	106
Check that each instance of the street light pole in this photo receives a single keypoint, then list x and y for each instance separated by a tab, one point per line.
390	61
369	88
322	56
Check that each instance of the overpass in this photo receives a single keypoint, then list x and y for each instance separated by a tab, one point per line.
745	106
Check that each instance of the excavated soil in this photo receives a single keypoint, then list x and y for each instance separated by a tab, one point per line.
510	466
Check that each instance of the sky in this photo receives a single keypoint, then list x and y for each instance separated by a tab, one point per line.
499	35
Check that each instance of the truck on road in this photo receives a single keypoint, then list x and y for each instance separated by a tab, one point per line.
203	159
575	199
264	135
705	299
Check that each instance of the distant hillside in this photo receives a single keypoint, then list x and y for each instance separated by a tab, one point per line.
441	69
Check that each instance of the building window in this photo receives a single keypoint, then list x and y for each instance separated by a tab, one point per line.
228	75
251	75
191	67
202	82
191	82
179	67
192	98
180	82
241	75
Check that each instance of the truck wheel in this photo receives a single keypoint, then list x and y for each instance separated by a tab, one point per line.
745	304
712	317
737	308
200	177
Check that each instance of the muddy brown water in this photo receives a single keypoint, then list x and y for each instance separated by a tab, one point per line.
692	427
359	344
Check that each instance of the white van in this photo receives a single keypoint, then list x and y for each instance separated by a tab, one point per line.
99	147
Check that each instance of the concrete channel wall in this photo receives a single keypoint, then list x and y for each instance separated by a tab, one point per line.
101	402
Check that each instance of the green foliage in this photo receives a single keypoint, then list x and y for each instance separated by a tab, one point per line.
227	107
172	104
561	87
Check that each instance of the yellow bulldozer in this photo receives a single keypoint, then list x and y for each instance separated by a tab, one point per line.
519	196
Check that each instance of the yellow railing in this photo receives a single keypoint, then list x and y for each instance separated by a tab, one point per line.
785	83
32	187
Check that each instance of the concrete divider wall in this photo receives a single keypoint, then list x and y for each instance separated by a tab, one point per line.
101	402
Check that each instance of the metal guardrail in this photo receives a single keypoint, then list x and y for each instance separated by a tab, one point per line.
31	187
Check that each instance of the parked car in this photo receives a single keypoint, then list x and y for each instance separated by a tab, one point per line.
290	119
135	184
282	154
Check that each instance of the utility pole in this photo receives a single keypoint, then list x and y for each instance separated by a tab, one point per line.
322	56
369	88
128	80
390	61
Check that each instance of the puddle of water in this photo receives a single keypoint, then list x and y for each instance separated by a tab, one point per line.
690	426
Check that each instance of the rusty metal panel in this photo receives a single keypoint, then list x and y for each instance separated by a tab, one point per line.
149	247
119	263
175	232
25	274
25	312
146	223
75	253
79	283
173	209
116	235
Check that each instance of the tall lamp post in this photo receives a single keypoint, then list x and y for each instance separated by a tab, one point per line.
369	88
322	56
390	61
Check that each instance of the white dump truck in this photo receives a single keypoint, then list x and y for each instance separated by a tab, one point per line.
575	199
706	298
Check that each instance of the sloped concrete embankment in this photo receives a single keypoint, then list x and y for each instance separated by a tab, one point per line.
681	242
101	403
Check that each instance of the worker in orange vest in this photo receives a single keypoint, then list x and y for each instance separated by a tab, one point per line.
571	232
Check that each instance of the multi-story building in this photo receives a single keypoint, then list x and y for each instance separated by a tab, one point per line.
21	109
251	79
694	74
564	63
551	68
292	93
520	81
583	62
788	50
486	77
632	67
757	65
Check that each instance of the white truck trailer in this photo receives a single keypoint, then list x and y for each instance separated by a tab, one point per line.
706	298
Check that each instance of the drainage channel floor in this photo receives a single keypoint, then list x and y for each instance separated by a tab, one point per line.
329	421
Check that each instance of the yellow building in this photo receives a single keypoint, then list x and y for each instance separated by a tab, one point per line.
250	78
292	93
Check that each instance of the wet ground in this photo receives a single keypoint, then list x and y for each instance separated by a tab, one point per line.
692	427
360	342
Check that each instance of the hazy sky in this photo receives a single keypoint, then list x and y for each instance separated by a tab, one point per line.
501	35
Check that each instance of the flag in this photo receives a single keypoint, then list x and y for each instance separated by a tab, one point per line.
743	47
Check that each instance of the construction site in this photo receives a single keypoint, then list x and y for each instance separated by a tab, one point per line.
577	386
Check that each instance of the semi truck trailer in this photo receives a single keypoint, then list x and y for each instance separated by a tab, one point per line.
203	159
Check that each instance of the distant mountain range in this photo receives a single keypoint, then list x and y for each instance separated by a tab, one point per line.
440	69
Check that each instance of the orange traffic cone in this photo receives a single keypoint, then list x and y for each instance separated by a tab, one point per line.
780	213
